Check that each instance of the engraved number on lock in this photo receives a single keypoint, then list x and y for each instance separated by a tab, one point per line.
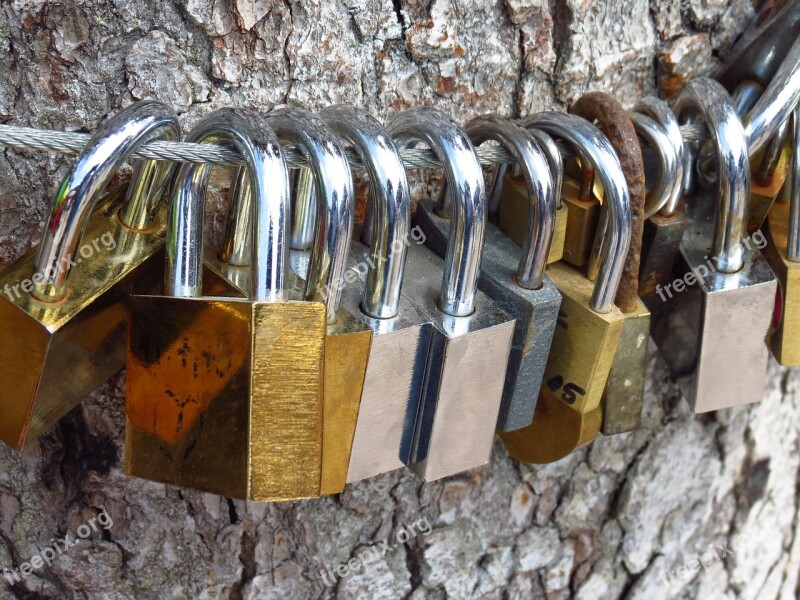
569	392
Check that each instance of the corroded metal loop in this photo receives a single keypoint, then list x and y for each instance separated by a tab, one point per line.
466	197
613	120
269	216
595	148
389	205
541	191
707	99
660	112
101	158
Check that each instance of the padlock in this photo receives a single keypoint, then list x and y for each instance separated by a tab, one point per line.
210	404
63	304
471	338
783	254
512	277
323	273
663	231
623	398
569	413
711	327
769	169
372	294
509	201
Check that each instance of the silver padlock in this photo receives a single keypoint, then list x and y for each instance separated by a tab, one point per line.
471	337
517	284
712	325
372	294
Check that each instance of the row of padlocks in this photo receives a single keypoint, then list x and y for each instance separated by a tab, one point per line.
309	351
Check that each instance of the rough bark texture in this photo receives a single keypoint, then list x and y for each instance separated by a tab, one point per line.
611	521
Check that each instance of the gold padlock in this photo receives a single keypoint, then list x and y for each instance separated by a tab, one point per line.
569	411
623	398
782	251
330	201
225	395
508	198
63	304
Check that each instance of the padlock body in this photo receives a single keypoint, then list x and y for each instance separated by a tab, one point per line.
514	214
393	382
711	327
623	399
209	403
764	193
661	241
583	214
784	341
465	375
54	354
584	345
535	313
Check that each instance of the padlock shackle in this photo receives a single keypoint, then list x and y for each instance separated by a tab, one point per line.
590	143
113	143
335	200
389	203
466	196
541	191
669	174
707	99
660	112
268	180
792	185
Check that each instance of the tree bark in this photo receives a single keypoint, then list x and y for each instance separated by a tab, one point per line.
688	506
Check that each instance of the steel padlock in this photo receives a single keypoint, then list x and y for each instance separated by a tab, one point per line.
783	254
209	403
322	273
471	338
510	205
512	277
712	327
569	412
63	304
663	230
401	333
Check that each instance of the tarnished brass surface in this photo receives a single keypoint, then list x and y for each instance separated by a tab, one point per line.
556	431
584	345
583	213
514	212
226	395
660	245
54	354
764	193
347	348
785	341
624	396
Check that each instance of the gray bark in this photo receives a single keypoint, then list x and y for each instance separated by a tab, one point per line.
613	520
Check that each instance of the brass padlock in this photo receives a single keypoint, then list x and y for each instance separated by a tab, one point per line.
783	254
63	304
322	270
509	201
714	321
569	411
471	338
663	230
623	398
513	277
210	404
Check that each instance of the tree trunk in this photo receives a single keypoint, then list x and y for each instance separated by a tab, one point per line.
688	506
